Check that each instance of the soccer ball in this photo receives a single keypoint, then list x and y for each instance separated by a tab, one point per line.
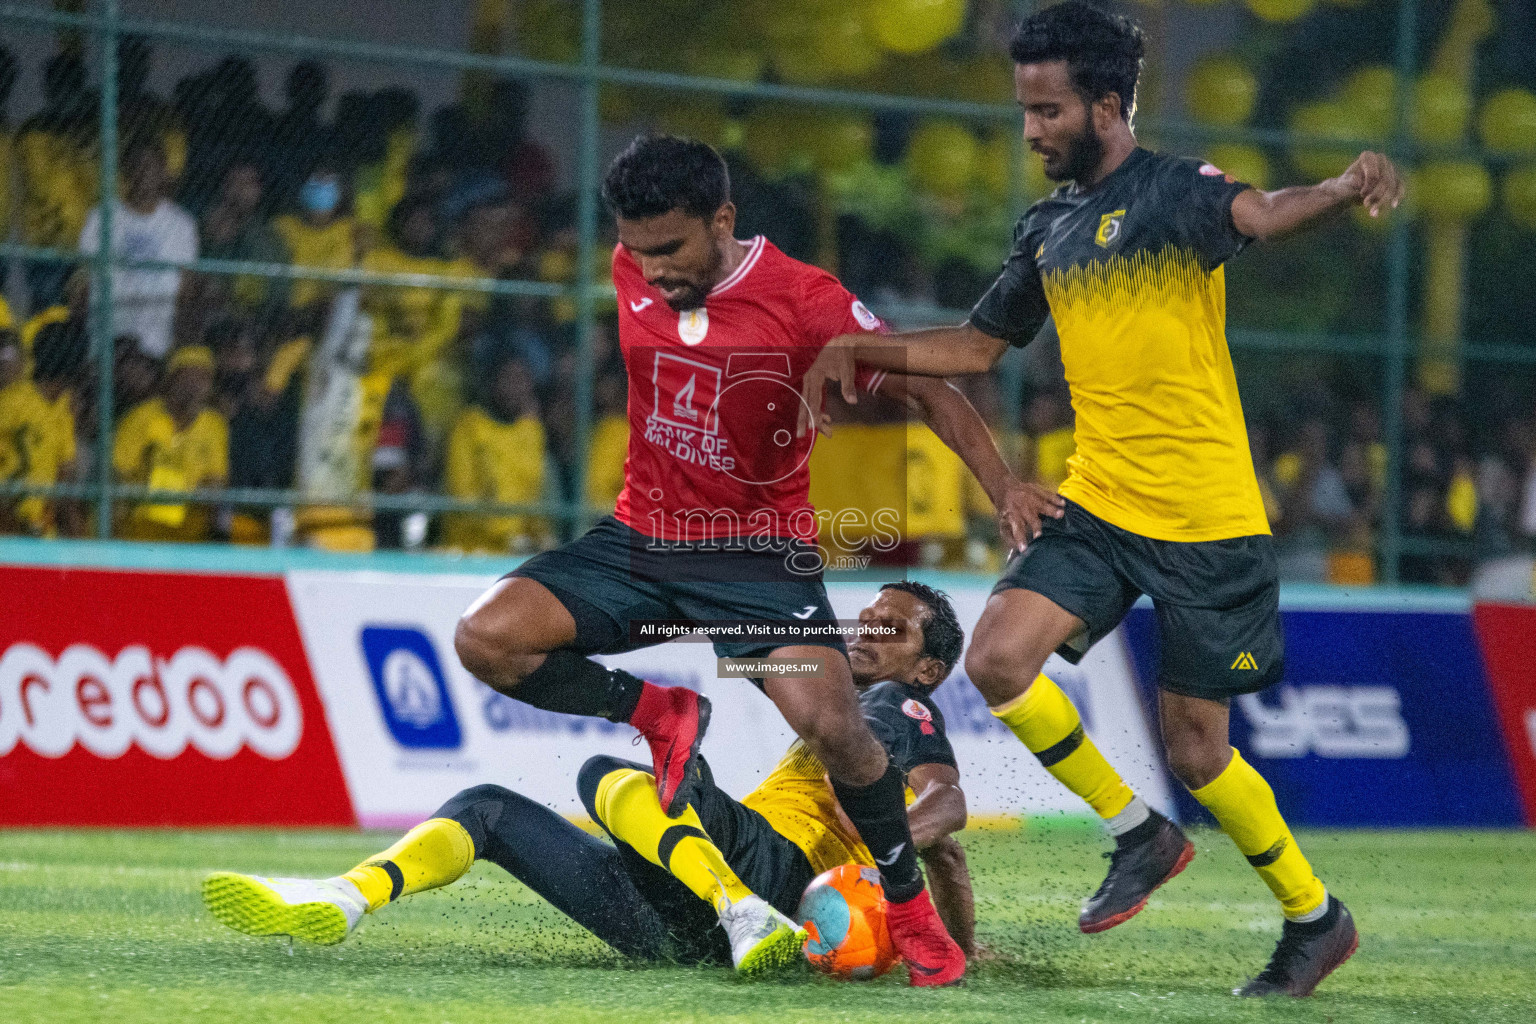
843	912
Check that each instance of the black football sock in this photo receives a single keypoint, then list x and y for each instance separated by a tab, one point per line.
879	812
574	685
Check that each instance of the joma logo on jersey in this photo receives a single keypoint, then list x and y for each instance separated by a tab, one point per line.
1329	721
1109	228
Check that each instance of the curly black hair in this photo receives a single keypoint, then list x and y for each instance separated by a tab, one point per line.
659	173
1103	51
943	638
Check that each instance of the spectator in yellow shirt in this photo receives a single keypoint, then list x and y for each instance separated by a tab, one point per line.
319	236
413	328
609	446
486	249
496	453
935	494
56	154
174	443
1049	442
7	83
37	424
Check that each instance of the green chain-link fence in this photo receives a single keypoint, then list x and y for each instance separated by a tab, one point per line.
835	121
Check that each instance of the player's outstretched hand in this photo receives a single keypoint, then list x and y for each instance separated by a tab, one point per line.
1023	508
1373	181
835	362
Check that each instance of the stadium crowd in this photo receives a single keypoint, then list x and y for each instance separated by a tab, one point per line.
472	395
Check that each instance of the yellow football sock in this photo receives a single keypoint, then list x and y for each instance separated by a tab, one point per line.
628	807
1245	806
433	854
1045	721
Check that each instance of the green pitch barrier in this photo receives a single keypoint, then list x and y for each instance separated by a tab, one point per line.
108	926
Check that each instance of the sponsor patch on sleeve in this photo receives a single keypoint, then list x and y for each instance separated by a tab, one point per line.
866	319
914	709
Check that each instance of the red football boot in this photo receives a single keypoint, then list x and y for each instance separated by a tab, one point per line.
673	719
931	956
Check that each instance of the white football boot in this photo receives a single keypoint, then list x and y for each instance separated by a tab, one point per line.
762	939
323	911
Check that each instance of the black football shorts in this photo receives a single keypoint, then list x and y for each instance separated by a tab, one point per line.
1217	602
613	576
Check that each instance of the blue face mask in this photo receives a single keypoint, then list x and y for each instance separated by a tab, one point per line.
320	195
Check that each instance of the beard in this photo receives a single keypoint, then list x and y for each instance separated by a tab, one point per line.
691	295
1085	151
692	292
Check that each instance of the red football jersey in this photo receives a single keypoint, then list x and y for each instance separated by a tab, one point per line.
714	397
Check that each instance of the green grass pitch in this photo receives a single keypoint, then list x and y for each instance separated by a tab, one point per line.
108	926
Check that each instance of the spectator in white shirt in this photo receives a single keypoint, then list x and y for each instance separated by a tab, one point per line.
145	226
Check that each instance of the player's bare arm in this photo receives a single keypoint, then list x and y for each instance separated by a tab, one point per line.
1020	506
939	809
937	812
1372	181
934	352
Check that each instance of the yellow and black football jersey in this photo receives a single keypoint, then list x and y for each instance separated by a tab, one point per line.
1131	271
797	800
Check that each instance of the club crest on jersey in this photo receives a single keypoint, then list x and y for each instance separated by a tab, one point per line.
866	319
1109	228
692	325
1212	171
915	709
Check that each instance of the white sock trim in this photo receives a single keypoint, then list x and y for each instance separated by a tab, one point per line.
1134	814
1312	915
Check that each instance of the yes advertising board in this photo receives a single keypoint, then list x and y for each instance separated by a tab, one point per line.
147	698
412	727
1385	717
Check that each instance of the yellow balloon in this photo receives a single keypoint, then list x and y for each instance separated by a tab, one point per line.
1326	120
550	30
913	26
992	166
776	21
994	173
1520	196
616	104
736	63
942	157
1454	189
1220	90
771	140
921	74
1372	93
1508	121
1280	10
1441	107
987	79
1245	163
1409	207
798	64
694	118
839	141
843	43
